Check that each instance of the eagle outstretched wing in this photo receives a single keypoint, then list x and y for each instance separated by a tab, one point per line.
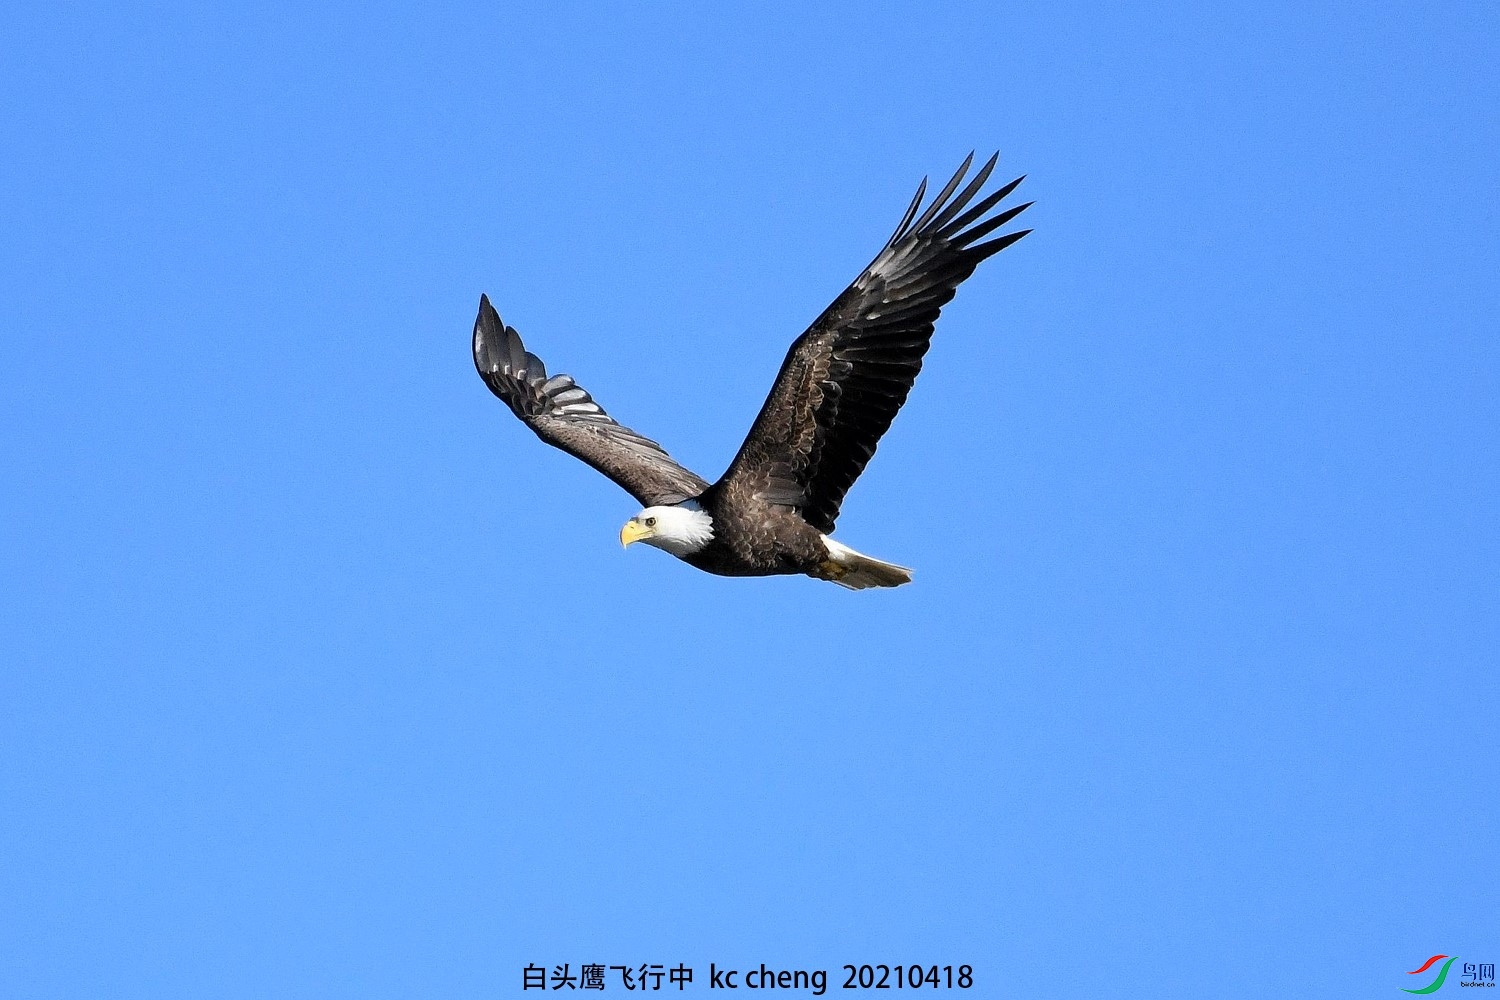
564	415
845	378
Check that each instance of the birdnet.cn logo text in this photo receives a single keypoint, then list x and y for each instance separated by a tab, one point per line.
1472	974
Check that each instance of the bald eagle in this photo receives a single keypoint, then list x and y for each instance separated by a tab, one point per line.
837	392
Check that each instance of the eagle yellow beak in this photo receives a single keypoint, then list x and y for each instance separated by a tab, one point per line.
634	531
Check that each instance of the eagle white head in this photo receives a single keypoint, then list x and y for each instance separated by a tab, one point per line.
681	529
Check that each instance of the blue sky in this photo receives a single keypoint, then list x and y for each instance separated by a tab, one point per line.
322	677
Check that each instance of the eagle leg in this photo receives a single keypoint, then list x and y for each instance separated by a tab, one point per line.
828	569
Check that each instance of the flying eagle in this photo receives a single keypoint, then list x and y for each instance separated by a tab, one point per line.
837	392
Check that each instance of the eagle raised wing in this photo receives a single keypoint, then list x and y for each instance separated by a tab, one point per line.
845	378
564	415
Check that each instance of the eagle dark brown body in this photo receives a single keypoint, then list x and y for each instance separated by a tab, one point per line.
755	538
838	390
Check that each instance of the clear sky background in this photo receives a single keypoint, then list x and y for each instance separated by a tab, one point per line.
323	678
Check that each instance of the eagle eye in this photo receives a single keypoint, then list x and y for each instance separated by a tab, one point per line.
650	522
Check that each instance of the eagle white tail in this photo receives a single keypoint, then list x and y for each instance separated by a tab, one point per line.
857	571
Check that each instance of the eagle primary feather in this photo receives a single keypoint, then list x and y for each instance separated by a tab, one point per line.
563	414
837	392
